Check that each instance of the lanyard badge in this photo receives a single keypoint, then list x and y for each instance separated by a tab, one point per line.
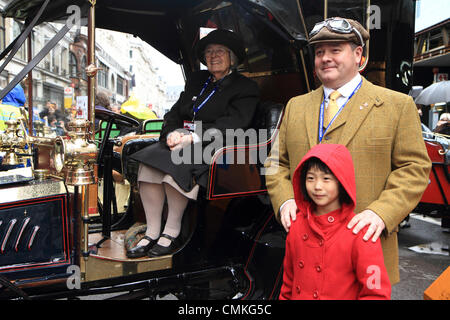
194	98
321	115
189	125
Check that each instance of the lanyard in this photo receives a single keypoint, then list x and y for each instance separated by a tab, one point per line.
321	116
196	109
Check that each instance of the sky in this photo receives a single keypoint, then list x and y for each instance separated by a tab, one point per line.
167	69
430	12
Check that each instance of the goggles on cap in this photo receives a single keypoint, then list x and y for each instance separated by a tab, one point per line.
338	25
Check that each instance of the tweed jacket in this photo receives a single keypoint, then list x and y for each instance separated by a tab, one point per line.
381	129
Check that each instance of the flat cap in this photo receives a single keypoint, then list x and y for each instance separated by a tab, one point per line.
327	33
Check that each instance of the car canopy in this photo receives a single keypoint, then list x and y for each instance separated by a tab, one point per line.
155	21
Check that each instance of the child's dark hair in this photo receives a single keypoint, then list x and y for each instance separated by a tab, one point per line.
319	164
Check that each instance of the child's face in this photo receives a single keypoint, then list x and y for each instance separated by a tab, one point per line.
323	189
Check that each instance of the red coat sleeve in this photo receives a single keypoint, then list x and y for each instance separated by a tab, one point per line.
368	263
286	287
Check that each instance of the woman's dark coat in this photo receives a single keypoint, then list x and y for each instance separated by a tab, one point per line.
231	107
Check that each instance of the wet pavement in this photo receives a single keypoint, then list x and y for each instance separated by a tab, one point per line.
420	268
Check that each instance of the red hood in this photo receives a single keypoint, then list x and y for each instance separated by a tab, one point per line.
340	162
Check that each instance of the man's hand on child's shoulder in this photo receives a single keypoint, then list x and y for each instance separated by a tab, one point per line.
370	218
288	212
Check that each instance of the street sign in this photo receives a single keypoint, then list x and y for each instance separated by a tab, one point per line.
68	97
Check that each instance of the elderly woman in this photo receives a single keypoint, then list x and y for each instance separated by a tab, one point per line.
220	99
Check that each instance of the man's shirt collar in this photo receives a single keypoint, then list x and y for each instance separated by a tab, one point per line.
347	89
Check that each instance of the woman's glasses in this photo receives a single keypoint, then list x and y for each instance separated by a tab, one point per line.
218	52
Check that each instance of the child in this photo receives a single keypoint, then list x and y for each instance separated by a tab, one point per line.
324	259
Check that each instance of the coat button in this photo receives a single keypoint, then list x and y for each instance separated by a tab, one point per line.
330	219
297	288
321	242
301	264
315	295
305	237
318	268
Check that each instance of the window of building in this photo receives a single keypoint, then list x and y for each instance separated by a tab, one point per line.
119	86
45	63
83	68
72	65
22	53
64	61
56	59
2	33
435	39
102	75
112	83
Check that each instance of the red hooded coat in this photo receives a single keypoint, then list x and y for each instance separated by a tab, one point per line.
324	259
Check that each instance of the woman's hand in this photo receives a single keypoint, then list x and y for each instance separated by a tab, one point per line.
173	139
177	140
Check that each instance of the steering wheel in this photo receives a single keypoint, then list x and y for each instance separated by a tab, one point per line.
117	118
111	117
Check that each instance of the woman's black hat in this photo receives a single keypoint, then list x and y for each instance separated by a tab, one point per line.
224	37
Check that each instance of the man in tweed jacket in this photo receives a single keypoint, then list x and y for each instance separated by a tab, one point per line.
380	127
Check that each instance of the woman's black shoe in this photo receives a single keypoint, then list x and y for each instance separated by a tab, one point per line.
159	250
141	251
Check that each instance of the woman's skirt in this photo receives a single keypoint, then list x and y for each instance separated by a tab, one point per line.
152	175
185	167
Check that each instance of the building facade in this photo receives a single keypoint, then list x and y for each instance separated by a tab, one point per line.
125	64
432	53
51	75
432	64
145	84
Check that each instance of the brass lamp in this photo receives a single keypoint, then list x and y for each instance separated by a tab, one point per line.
76	155
13	141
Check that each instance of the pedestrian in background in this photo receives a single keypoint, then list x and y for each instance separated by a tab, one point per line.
443	125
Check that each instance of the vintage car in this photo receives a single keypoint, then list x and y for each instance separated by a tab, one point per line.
435	199
58	241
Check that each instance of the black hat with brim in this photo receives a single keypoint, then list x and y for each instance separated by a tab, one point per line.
226	38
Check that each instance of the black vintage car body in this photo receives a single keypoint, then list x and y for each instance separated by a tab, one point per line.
233	246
